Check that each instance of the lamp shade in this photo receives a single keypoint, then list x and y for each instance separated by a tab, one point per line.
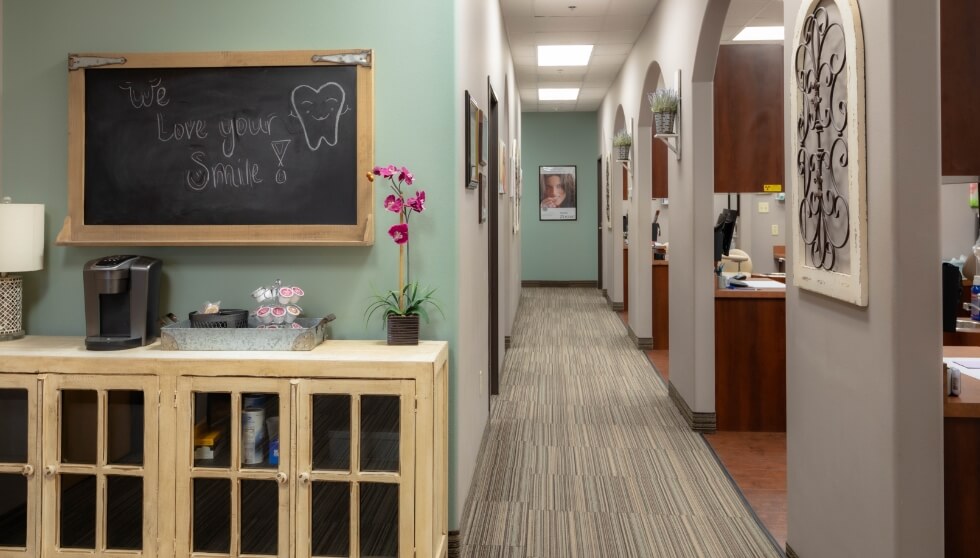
21	237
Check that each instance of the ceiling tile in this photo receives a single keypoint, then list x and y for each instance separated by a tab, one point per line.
618	37
623	23
561	7
741	11
612	50
566	24
566	38
632	7
771	14
517	8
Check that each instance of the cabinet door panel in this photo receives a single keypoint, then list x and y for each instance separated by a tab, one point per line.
233	466
19	463
101	468
366	507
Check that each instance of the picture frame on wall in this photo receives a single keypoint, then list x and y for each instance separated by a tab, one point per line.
608	194
472	147
515	166
484	138
557	193
502	169
484	197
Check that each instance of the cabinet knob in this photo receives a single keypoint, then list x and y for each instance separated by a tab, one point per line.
282	478
50	470
304	478
27	471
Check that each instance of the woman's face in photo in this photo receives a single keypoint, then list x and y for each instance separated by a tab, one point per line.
553	187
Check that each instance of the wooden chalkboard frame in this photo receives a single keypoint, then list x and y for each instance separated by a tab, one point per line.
76	233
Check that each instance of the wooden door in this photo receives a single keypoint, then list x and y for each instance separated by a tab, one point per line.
233	489
355	465
100	466
19	466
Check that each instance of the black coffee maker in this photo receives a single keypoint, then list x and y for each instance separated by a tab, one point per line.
122	302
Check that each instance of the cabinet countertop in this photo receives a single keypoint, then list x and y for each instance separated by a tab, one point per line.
967	404
351	358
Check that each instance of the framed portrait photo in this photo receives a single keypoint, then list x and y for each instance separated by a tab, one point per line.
472	178
557	199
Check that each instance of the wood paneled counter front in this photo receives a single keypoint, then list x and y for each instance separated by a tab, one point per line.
661	304
176	453
750	360
961	461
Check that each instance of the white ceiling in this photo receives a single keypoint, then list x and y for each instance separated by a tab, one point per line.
611	25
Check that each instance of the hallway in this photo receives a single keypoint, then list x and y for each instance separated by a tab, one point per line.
586	456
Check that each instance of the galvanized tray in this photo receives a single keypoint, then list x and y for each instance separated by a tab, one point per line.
182	337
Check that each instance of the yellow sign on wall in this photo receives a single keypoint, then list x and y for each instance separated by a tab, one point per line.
772	187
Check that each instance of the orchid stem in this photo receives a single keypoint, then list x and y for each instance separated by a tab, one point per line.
401	271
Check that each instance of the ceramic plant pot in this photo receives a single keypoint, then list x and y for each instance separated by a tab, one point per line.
403	330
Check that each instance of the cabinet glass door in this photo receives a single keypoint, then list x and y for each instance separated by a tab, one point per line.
355	468
232	478
18	464
100	465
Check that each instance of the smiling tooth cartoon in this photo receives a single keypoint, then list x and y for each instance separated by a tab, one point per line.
318	111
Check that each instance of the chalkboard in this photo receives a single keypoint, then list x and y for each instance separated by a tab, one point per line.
219	148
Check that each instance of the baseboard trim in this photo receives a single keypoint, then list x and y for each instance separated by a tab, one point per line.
790	553
605	293
699	422
453	544
641	343
506	341
617	306
562	284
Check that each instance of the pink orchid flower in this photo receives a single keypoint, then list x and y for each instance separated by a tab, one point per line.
386	172
406	176
393	203
417	202
399	233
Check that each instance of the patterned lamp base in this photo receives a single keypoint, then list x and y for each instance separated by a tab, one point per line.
11	303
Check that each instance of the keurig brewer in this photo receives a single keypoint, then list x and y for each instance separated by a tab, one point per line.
122	299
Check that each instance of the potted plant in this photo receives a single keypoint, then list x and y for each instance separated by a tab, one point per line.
401	308
664	103
622	142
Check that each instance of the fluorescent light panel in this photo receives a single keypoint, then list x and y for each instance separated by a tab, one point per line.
565	94
564	55
768	33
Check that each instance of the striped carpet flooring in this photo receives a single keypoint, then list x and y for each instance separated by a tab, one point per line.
585	455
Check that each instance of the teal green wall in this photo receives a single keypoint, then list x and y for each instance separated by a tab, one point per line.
559	250
414	126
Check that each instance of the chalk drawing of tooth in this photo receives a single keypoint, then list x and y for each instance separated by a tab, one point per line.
319	110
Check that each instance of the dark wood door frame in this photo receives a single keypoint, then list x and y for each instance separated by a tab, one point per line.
493	156
600	205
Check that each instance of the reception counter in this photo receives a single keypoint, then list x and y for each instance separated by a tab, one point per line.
661	305
961	462
750	360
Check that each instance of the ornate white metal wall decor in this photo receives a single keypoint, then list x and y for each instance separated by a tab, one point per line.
829	190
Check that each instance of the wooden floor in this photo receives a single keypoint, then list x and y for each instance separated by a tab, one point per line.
757	462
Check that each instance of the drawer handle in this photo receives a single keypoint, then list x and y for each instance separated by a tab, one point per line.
282	478
27	471
304	478
50	470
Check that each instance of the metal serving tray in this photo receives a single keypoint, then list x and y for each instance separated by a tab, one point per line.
182	337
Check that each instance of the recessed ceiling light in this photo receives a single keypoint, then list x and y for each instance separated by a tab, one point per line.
565	94
564	55
768	33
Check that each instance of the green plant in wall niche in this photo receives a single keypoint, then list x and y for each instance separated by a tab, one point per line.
401	308
664	103
622	142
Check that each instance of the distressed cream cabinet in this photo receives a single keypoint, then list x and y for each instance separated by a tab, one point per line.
339	451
